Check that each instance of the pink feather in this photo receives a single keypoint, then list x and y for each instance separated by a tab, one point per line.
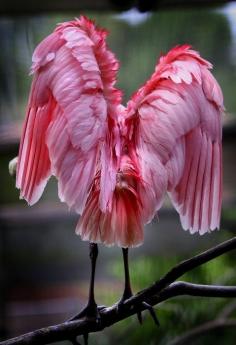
177	120
113	164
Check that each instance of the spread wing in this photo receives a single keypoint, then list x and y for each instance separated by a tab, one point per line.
175	122
70	119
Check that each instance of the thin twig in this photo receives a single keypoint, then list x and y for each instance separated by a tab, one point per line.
162	290
201	330
227	310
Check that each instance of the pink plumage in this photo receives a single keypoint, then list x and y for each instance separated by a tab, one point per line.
113	164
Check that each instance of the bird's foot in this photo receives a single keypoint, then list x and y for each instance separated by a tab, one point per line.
121	306
152	312
90	312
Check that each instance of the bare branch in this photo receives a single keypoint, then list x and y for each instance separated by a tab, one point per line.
111	315
162	290
222	321
183	288
184	267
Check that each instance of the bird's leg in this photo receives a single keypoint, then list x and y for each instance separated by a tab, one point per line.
91	310
128	291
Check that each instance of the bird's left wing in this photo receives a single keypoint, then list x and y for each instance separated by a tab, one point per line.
70	125
175	122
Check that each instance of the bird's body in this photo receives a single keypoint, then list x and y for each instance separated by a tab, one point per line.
114	164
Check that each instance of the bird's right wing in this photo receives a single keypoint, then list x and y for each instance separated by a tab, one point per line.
70	126
175	122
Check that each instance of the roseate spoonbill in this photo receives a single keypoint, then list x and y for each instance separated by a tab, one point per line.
114	164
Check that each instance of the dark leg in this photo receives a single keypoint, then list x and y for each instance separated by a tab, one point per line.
128	291
93	253
91	309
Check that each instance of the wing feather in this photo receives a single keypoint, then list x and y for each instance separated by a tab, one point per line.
175	122
72	103
33	168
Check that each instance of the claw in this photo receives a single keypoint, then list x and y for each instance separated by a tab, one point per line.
121	305
140	318
152	312
91	311
146	305
128	293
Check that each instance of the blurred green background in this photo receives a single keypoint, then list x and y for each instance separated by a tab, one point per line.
44	267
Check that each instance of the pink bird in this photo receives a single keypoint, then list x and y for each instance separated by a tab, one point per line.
115	164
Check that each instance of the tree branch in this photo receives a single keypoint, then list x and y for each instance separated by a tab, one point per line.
160	291
227	310
222	321
184	267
